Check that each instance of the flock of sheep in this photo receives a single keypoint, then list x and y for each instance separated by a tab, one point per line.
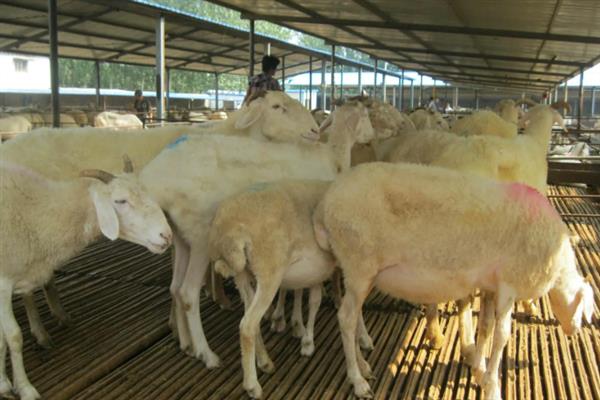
268	197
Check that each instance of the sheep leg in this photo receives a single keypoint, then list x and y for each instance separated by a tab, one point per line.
189	294
434	332
5	385
35	322
177	319
53	300
504	306
243	282
218	292
336	283
314	302
298	329
356	292
485	328
278	316
364	339
250	328
467	339
12	334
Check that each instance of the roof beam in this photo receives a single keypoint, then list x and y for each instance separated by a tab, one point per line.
462	54
460	30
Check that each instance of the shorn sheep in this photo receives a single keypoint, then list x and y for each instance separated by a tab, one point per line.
388	227
47	222
62	153
110	119
193	174
426	119
265	233
484	122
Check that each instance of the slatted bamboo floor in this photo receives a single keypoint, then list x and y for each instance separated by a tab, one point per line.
120	346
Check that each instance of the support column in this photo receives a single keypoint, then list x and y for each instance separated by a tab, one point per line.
433	91
310	85
283	73
251	50
216	91
580	102
555	94
412	94
168	89
360	87
323	85
476	99
421	91
401	90
394	93
593	101
374	94
54	84
97	73
160	67
332	78
383	88
341	81
455	102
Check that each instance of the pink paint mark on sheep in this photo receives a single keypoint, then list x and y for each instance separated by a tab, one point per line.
526	194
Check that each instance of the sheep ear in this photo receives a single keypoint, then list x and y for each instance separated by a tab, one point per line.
107	217
253	112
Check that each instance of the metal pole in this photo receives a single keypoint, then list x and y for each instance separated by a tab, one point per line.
283	73
421	92
360	81
53	36
383	88
251	50
97	71
476	99
394	93
216	91
310	85
160	67
341	81
323	85
555	94
593	101
402	90
455	102
580	103
434	88
332	78
374	95
168	88
412	94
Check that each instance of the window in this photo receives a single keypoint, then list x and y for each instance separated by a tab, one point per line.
20	64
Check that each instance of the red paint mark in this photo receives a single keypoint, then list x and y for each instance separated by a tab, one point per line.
535	200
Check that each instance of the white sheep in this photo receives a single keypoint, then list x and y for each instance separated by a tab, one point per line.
394	226
190	177
47	222
266	233
484	122
66	121
80	117
14	124
110	119
509	110
428	119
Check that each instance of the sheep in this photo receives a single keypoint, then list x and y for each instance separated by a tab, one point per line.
509	110
210	168
319	115
484	122
14	124
265	233
427	119
109	119
66	121
46	222
80	117
393	227
62	153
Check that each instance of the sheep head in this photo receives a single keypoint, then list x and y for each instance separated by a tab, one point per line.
125	210
276	116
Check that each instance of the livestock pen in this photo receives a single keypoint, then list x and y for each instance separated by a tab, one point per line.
120	345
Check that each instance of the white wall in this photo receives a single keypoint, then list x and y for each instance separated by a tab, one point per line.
37	75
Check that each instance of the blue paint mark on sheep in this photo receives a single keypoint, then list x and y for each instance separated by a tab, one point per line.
258	187
177	141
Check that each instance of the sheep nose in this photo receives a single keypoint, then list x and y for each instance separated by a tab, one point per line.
167	237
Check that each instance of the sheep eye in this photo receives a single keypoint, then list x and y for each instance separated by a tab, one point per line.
121	201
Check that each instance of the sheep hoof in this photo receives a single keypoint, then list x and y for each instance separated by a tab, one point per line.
278	325
254	390
366	343
6	388
211	360
436	341
479	374
266	366
46	343
491	389
362	390
28	392
308	347
65	321
298	330
468	354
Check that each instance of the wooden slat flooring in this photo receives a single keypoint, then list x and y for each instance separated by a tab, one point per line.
120	346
